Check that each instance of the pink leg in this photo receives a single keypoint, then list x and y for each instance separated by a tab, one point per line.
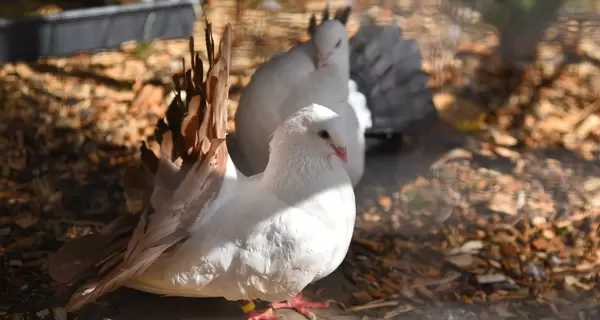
255	315
300	305
251	313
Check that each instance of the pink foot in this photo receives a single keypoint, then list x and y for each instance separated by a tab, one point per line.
255	315
300	305
251	314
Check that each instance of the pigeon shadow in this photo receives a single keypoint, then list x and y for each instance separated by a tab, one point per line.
127	304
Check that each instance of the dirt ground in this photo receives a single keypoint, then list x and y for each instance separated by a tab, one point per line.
474	217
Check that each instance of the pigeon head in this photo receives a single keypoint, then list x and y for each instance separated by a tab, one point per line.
315	128
330	42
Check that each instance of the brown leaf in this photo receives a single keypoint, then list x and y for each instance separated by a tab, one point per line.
503	138
462	261
540	244
26	219
510	249
385	202
504	203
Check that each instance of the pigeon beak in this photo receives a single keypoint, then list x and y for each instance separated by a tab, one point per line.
340	152
321	61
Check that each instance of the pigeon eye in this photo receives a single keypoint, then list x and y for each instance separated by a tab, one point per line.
323	134
338	43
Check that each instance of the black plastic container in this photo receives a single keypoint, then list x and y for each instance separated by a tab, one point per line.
72	31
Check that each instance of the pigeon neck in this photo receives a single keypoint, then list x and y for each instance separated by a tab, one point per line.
294	171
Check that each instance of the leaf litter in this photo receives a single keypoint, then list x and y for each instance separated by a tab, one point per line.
532	264
69	129
514	241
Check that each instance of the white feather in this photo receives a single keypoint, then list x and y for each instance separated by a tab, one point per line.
358	101
268	236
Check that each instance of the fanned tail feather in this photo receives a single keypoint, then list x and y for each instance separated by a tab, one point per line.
388	71
186	176
341	15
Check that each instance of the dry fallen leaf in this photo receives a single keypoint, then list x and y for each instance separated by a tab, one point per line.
503	138
540	244
26	219
463	260
385	202
504	203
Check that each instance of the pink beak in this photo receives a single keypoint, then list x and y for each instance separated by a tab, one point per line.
340	153
321	61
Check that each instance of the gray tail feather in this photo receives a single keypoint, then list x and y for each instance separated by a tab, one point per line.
388	71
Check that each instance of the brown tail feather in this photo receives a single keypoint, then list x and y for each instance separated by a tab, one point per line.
193	133
76	257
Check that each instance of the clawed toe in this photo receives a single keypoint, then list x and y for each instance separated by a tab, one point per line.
301	306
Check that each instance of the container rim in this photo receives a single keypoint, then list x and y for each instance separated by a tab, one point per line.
97	12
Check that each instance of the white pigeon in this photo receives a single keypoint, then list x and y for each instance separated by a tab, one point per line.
207	233
316	71
279	233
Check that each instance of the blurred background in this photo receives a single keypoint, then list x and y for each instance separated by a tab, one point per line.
484	206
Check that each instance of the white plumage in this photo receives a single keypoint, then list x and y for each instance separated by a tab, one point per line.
205	230
316	71
358	101
272	234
